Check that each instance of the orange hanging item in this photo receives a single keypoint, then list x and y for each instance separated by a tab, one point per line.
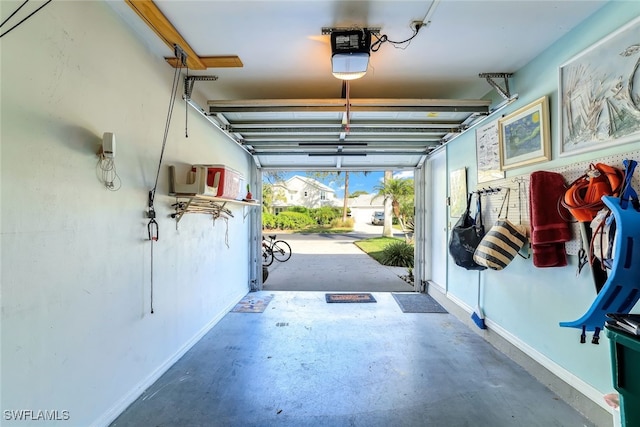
583	198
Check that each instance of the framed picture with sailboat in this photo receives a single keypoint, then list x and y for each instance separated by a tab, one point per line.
599	93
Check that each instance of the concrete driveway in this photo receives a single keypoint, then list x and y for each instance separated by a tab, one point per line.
332	262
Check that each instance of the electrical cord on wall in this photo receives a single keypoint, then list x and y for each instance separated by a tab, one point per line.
415	26
380	40
107	174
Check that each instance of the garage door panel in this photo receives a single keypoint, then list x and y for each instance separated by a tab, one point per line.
323	134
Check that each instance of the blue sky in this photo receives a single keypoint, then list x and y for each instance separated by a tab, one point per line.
357	181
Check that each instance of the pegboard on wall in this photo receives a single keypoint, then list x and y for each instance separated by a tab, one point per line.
519	198
493	195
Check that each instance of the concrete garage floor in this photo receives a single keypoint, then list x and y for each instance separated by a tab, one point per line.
303	362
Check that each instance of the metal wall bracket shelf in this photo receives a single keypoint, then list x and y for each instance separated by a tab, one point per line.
328	30
214	206
189	81
504	92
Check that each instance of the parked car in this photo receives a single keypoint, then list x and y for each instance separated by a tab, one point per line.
377	218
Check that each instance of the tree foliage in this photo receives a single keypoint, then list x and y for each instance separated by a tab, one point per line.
357	193
400	191
272	176
270	195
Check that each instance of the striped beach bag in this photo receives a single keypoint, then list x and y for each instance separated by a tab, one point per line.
502	242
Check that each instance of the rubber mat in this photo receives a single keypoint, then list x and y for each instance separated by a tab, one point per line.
350	298
417	303
252	304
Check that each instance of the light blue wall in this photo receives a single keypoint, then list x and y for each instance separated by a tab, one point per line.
528	302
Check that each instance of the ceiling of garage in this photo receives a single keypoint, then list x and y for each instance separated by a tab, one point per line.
275	93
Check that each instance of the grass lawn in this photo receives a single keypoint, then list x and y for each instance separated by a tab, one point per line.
374	246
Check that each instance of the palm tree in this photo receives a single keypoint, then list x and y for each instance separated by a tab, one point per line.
346	197
387	224
395	190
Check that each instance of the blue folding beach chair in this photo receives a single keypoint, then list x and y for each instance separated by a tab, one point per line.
621	291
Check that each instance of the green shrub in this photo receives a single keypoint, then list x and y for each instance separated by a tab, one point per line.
325	214
268	221
286	220
300	209
293	220
299	217
397	254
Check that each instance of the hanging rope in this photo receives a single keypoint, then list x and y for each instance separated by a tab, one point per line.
152	227
14	12
172	100
24	19
151	291
186	108
348	124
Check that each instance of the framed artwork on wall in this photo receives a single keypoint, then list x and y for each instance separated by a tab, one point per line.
488	153
524	136
599	93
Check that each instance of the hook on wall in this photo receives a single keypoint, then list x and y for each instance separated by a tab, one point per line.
489	190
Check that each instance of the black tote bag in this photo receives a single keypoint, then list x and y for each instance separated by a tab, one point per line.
466	236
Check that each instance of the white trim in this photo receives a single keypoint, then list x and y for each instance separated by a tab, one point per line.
437	286
566	376
460	303
553	367
112	413
419	232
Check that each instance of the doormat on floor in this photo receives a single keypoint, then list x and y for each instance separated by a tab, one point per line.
252	304
350	298
418	303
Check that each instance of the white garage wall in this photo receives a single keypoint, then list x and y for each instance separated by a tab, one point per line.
77	334
524	303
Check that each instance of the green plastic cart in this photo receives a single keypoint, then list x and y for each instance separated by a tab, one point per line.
625	366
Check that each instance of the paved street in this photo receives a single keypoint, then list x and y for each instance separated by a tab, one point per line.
332	262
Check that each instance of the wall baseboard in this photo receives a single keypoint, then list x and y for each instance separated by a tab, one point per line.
583	397
112	413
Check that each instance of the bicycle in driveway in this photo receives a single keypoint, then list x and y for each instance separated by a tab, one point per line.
273	249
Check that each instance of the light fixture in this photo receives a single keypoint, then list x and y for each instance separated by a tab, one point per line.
350	53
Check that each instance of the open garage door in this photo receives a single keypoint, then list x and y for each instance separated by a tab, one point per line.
347	134
328	134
